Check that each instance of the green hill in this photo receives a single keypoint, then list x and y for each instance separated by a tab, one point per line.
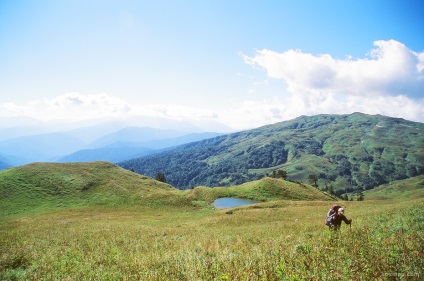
349	152
265	189
45	186
42	186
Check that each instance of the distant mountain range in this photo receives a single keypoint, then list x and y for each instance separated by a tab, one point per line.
117	148
346	152
104	141
39	148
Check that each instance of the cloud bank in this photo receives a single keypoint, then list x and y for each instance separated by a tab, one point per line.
390	81
77	106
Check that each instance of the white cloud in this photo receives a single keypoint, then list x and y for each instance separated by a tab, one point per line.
253	114
70	106
390	81
250	113
76	107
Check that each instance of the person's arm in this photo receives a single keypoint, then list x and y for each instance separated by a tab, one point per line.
346	220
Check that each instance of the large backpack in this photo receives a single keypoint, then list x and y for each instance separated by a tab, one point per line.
331	214
328	220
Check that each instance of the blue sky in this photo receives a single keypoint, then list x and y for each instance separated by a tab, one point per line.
241	63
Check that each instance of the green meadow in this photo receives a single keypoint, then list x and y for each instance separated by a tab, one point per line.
99	222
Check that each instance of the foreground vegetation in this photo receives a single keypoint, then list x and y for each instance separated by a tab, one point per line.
270	241
96	221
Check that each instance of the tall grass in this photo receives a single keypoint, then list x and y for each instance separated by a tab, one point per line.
271	241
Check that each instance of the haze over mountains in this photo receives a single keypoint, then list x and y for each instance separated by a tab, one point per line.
25	140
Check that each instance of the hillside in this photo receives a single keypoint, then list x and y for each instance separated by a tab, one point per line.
265	189
114	233
43	186
348	152
95	220
402	189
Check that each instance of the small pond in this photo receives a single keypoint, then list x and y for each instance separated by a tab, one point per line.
229	202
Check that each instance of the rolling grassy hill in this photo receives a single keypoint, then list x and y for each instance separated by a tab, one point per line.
349	152
45	186
90	221
265	189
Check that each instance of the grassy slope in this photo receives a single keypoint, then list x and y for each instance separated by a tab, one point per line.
165	240
408	188
42	186
265	189
283	240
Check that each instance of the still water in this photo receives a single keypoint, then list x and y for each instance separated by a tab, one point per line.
228	202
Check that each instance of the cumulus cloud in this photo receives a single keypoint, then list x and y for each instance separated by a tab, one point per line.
390	80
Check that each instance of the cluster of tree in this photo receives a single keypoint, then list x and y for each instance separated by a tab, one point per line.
343	193
160	177
278	174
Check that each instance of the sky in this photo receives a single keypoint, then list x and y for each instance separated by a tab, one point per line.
240	63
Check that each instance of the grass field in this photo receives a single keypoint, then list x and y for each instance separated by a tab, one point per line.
99	222
280	240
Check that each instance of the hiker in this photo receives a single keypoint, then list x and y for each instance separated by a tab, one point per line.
333	210
335	220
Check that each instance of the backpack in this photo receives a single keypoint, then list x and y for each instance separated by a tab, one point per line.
328	220
331	213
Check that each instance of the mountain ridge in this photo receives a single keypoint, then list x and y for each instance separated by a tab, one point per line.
351	152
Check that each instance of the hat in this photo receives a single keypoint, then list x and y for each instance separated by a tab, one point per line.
341	210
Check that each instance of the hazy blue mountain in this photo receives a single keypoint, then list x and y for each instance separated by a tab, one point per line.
14	132
111	154
120	151
24	140
135	135
5	162
39	148
169	142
